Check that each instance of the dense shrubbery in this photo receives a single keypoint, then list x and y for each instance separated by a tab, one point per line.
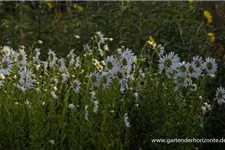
111	93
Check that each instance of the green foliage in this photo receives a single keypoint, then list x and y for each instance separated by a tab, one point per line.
35	120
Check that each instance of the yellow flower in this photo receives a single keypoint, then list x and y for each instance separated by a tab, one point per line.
190	1
151	41
208	16
212	37
80	8
49	5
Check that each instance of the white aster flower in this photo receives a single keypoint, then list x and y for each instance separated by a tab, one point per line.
203	109
126	122
7	50
127	59
92	93
71	57
99	38
181	80
169	62
193	71
95	79
159	50
76	86
65	76
110	64
21	58
27	78
210	65
106	80
120	76
220	95
51	58
136	95
197	60
54	96
36	57
182	69
77	63
61	64
6	65
95	109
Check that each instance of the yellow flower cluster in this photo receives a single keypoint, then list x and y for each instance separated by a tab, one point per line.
208	16
212	37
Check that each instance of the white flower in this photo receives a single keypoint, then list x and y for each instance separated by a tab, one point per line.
169	62
136	95
21	58
52	58
92	93
70	57
54	96
197	60
95	109
94	78
37	54
193	71
120	76
6	65
99	38
76	86
77	63
27	79
71	106
127	58
61	64
110	64
86	112
210	65
65	76
182	69
106	80
181	80
7	50
88	49
220	95
159	50
203	109
127	123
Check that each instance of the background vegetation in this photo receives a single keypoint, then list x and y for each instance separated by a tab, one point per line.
180	26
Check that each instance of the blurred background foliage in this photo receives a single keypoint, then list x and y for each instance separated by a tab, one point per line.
179	26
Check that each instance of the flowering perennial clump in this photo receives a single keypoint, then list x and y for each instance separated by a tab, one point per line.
99	69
